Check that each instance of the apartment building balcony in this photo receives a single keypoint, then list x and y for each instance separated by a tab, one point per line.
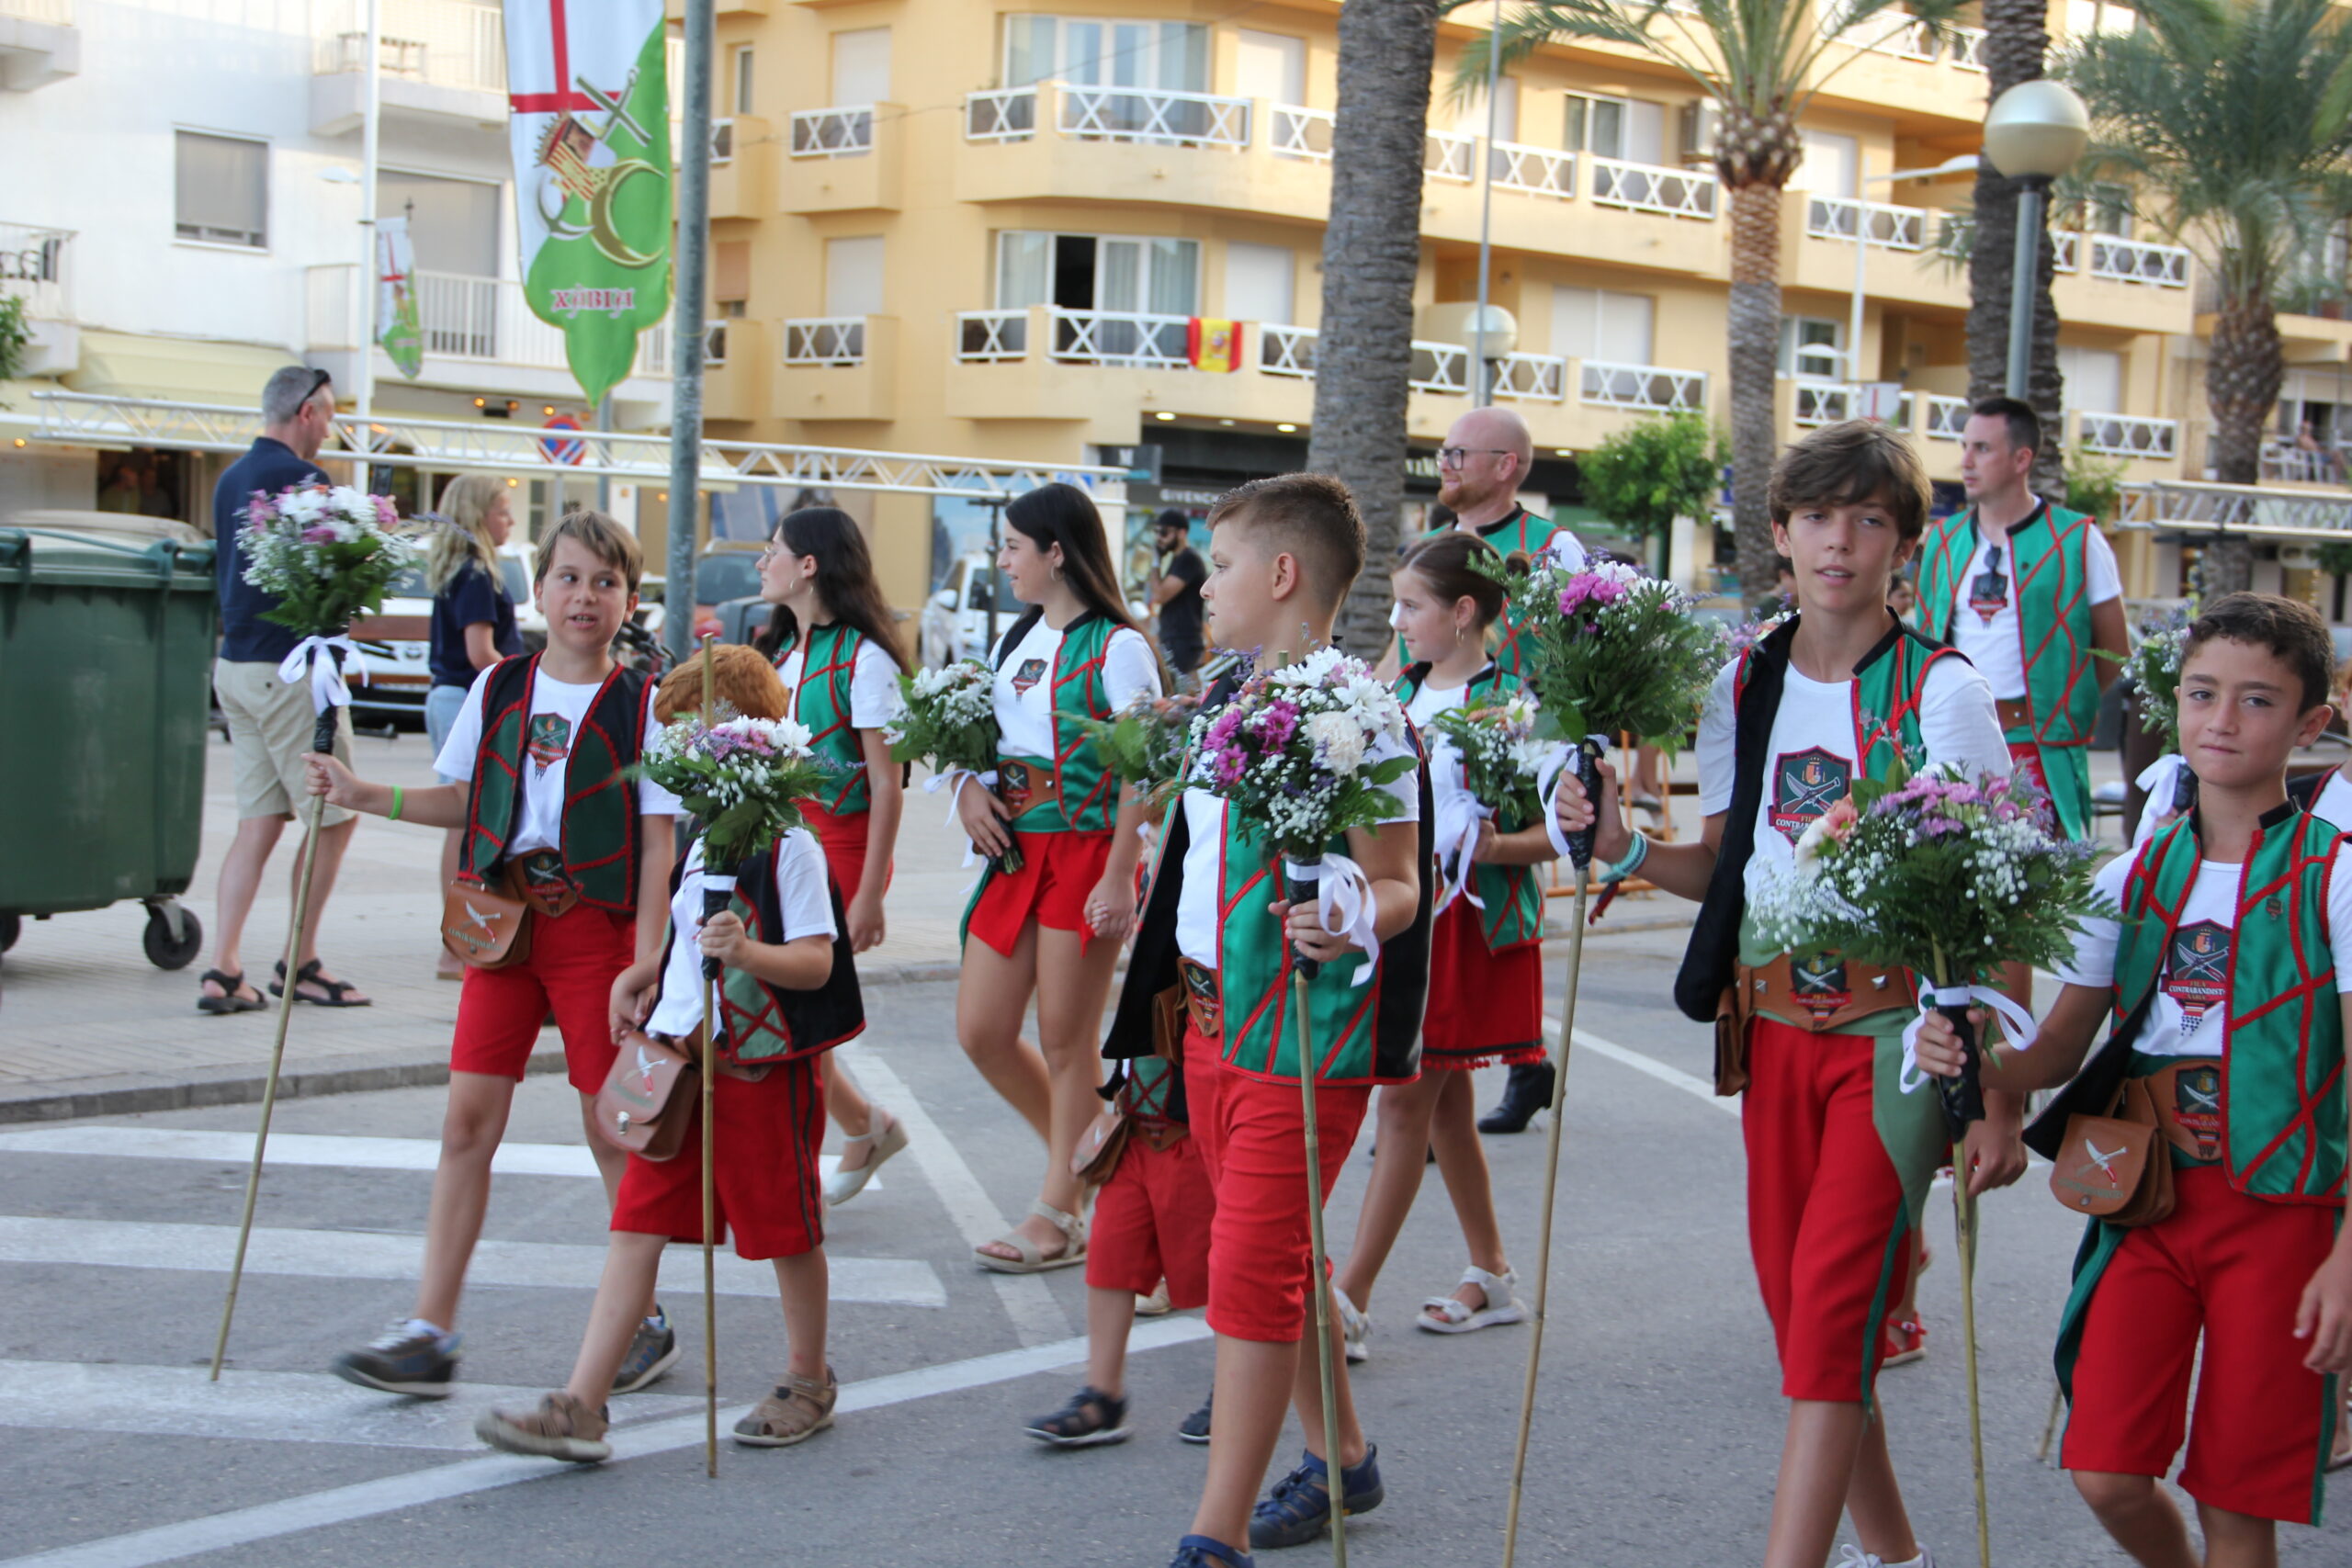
844	159
1908	257
38	44
735	368
35	267
1893	59
2149	448
479	336
742	167
2105	280
439	63
837	368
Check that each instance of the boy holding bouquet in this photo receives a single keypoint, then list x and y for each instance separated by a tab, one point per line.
1219	931
2225	982
1839	1160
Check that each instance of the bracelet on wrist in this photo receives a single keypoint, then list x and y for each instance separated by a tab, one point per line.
394	814
1631	863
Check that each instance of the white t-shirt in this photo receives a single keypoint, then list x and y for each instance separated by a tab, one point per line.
800	890
1811	765
2190	1014
873	683
1984	619
1563	550
1024	685
2161	782
557	709
1445	762
1196	912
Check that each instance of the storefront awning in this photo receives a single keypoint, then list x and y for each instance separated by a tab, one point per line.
124	365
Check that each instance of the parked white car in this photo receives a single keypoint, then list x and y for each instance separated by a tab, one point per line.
955	617
397	639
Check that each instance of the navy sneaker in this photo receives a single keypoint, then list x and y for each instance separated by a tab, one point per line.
1299	1508
1207	1552
402	1360
1091	1419
1196	1428
652	1352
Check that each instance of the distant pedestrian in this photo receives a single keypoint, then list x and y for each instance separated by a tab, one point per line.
473	623
1177	593
270	719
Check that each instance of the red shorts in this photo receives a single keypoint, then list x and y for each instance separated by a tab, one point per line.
1259	1250
1151	1223
1827	1220
2234	1267
844	840
1485	1007
1057	870
575	957
768	1191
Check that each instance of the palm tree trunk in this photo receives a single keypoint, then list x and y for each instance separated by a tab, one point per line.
2017	37
2242	383
1372	253
1755	337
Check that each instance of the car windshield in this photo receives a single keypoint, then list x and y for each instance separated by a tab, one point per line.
517	581
719	577
409	584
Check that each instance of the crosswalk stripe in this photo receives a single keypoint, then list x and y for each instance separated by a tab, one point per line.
308	1148
369	1255
303	1407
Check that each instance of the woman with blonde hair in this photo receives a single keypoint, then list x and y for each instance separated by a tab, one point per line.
473	620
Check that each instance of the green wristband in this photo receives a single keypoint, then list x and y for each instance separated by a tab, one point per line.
1631	863
394	814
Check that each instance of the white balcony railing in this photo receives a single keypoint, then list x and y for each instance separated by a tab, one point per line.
986	336
2135	261
1540	170
1449	155
33	267
1652	388
1440	366
2065	244
1120	337
1287	351
1534	377
2129	436
1945	418
1826	402
824	340
846	131
1966	48
1297	132
1649	187
1006	114
482	321
1895	228
1155	115
446	43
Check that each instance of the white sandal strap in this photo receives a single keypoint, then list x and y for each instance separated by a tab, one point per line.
1070	1225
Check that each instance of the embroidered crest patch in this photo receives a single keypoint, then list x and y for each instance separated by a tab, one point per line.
2197	969
1805	784
550	740
1032	671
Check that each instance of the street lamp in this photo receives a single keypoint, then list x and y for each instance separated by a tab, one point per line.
2035	132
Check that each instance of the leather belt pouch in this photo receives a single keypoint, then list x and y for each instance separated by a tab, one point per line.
2014	712
1821	998
1731	1044
1099	1146
1168	1008
2114	1167
649	1099
487	928
2187	1100
1026	784
538	878
1202	998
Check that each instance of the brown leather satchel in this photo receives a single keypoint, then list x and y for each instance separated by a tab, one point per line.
2115	1168
485	927
1731	1046
649	1097
1168	1024
2187	1097
1820	997
1099	1146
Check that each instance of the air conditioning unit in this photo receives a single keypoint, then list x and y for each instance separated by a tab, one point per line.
1702	124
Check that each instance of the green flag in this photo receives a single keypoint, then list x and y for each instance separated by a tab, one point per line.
397	326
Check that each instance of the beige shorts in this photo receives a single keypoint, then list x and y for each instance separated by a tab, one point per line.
271	726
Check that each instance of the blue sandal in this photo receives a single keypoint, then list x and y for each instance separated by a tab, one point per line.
1298	1509
1201	1551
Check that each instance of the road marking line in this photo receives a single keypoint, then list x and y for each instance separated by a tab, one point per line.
342	1505
305	1148
1037	1317
298	1407
369	1255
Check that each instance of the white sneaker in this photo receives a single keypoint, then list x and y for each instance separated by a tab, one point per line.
887	1136
1355	1327
1855	1557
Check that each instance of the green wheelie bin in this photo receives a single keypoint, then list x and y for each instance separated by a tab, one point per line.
106	664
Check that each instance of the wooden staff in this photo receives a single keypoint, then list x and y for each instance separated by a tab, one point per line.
710	1086
1964	1102
323	743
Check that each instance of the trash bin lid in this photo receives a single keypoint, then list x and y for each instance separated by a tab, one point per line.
113	524
97	560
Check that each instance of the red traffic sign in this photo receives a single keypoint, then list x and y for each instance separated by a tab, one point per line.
559	451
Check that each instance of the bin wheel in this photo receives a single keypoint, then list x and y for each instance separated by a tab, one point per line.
162	951
11	927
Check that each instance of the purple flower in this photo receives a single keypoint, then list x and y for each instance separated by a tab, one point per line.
319	534
1584	592
1231	765
1277	722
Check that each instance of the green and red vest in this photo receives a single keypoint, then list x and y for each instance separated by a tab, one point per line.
2283	1129
1529	534
760	1023
1086	796
2050	564
821	701
1513	898
599	815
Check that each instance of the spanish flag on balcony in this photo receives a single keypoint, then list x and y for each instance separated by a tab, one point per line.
1213	344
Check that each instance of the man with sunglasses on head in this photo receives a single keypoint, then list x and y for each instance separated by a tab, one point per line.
2029	592
269	719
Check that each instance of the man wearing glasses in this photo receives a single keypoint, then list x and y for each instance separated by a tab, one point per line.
269	720
2029	592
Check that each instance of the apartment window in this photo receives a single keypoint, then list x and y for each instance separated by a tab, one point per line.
454	224
1268	67
222	189
2086	17
1813	348
2107	210
1089	52
2094	379
1470	116
1097	272
1831	164
854	276
1597	324
739	72
861	67
1629	129
1261	283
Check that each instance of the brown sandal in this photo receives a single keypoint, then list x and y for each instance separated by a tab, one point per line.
798	1410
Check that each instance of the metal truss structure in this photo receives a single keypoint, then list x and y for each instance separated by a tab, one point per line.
80	419
2180	506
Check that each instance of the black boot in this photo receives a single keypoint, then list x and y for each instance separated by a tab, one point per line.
1529	1091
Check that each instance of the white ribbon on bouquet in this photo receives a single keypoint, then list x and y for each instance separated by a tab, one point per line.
2016	1023
1343	905
327	685
1454	838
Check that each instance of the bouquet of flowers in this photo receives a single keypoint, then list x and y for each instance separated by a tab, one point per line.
1293	752
1949	878
1502	759
946	718
1612	652
2154	668
327	552
1144	743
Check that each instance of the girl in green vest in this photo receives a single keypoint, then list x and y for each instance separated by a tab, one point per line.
1054	928
1485	997
837	650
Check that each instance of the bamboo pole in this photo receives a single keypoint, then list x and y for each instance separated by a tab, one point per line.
709	1169
1325	1373
1964	1215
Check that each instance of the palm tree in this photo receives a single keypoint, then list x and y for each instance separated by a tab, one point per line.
2017	37
2232	118
1372	253
1761	61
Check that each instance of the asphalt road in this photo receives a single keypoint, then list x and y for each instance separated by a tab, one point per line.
1656	1435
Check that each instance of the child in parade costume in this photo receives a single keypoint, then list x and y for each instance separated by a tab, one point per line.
2226	982
833	642
544	742
1052	927
1485	1002
1839	1159
787	994
1216	942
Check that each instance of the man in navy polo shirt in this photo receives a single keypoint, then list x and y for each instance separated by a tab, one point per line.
270	720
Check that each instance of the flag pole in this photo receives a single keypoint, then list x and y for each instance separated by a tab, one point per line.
709	1088
690	279
370	118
